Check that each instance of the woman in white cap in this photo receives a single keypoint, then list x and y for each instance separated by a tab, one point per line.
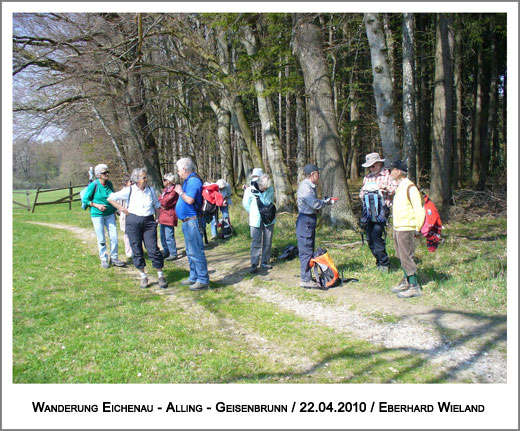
378	177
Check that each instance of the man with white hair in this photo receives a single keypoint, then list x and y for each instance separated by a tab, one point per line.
187	209
379	179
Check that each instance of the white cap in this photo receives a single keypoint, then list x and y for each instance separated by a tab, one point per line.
257	172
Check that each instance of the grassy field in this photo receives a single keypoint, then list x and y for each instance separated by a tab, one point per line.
74	322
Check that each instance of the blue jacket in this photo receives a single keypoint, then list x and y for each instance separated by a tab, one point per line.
250	205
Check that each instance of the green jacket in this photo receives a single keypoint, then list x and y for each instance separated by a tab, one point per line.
99	197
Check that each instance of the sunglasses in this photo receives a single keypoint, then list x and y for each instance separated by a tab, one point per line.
105	173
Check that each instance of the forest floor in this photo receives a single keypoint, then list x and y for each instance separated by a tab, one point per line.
466	347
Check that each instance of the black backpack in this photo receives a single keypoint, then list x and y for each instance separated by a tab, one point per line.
226	230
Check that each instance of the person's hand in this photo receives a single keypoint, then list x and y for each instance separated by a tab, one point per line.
326	200
178	189
101	207
417	234
125	210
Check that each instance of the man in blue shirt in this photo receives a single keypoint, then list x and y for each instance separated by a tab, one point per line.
187	208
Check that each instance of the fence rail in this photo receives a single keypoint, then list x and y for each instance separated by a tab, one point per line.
71	197
27	194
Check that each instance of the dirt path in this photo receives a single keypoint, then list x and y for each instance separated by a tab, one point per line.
466	347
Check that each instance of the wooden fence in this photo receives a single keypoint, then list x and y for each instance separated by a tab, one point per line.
71	197
28	206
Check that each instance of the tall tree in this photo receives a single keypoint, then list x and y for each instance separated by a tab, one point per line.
440	189
308	47
409	126
382	87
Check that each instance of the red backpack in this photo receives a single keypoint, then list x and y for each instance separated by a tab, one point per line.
432	226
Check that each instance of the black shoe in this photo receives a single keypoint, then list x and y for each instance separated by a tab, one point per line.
163	284
171	257
254	269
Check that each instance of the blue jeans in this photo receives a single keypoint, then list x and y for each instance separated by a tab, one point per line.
225	214
99	226
168	239
195	251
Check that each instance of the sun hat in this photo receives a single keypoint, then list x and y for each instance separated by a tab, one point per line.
257	173
372	158
310	168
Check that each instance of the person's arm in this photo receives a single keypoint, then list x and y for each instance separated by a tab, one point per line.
116	198
182	195
246	200
311	199
418	210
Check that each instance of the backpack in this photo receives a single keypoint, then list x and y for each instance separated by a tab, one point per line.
289	253
432	226
83	192
325	271
373	205
267	212
211	200
226	230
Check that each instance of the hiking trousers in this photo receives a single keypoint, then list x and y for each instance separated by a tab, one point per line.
143	229
404	241
376	242
305	234
261	242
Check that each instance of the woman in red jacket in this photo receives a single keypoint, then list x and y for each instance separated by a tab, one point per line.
168	217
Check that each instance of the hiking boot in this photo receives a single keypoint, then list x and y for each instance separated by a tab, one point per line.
163	284
117	262
172	257
383	269
199	286
412	291
267	266
403	285
310	284
105	264
144	283
187	282
254	269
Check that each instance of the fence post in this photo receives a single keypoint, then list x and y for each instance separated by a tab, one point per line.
36	198
28	200
70	195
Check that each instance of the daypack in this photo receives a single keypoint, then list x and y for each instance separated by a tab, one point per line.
373	205
289	252
432	226
226	230
267	212
325	271
83	192
211	200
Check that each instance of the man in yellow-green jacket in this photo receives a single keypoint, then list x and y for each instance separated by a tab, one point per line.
408	218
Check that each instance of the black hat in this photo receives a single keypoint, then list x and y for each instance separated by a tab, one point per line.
310	168
399	164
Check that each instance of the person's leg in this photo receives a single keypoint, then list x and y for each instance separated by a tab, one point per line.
164	243
368	233
110	223
267	242
406	252
150	242
256	245
193	236
379	245
189	252
134	229
99	228
128	249
305	231
169	232
213	226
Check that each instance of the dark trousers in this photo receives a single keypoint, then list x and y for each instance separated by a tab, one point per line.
141	229
305	233
376	243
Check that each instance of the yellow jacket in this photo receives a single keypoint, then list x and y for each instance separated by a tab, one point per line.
408	214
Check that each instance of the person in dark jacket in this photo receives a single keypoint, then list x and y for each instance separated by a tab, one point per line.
168	217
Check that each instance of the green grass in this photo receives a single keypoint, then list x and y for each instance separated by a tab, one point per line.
76	323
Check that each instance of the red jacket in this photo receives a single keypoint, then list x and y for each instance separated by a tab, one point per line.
168	200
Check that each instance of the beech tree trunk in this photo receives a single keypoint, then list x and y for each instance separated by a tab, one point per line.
457	76
280	172
382	87
440	189
308	48
409	130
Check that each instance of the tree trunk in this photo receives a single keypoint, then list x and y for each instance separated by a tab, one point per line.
224	141
477	120
280	172
440	190
308	48
409	131
301	132
382	87
458	162
354	132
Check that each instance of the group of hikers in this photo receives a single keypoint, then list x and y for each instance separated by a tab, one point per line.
141	210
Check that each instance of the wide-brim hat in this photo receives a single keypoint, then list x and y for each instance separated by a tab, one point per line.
372	158
257	173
